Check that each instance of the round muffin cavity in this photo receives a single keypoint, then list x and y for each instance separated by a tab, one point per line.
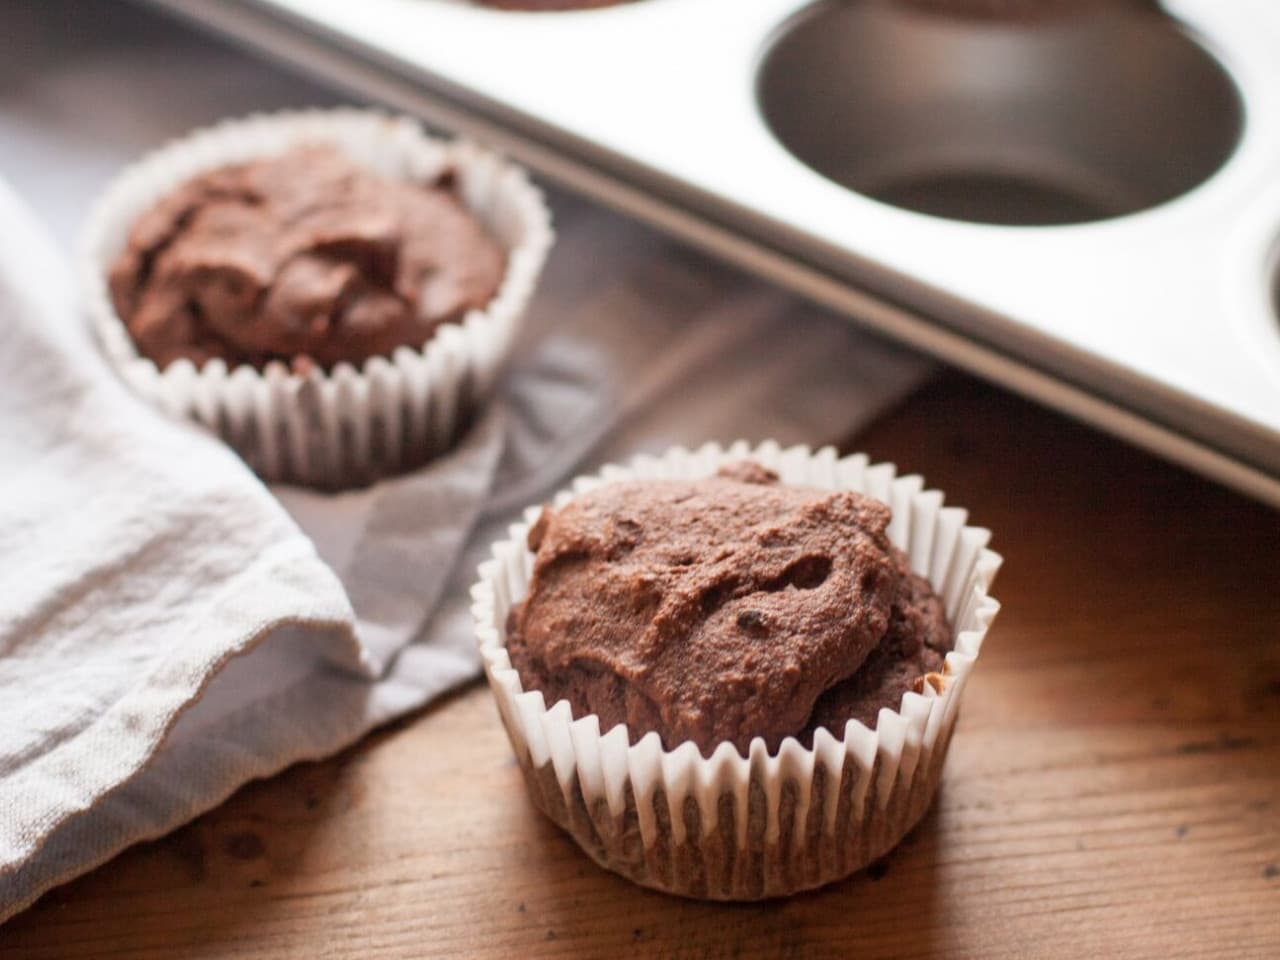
301	255
723	609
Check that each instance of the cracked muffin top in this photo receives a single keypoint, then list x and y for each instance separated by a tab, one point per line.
724	609
305	254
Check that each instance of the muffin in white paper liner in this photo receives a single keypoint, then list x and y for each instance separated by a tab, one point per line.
350	425
730	827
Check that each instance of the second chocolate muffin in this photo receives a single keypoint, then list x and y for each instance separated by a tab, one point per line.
1022	11
723	609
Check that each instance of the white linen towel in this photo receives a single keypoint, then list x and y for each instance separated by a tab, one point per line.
169	628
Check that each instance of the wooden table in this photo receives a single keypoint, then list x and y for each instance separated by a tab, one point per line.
1113	790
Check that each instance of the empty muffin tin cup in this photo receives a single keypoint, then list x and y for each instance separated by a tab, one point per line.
349	426
1025	120
730	827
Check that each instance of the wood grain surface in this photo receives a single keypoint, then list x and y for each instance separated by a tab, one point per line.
1113	790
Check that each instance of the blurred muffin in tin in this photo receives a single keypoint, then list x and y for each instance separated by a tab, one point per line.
734	674
301	257
550	5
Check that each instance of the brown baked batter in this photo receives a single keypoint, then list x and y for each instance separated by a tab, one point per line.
723	609
305	254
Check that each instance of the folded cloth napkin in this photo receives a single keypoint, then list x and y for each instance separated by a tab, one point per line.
169	627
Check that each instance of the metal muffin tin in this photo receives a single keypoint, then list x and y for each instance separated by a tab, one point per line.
1085	209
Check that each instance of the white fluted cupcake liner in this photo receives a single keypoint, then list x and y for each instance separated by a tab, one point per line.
730	827
351	425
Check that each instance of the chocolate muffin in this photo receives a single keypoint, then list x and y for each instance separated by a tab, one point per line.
724	609
305	254
1018	10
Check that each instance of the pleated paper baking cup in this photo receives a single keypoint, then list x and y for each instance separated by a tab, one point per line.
730	827
350	425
